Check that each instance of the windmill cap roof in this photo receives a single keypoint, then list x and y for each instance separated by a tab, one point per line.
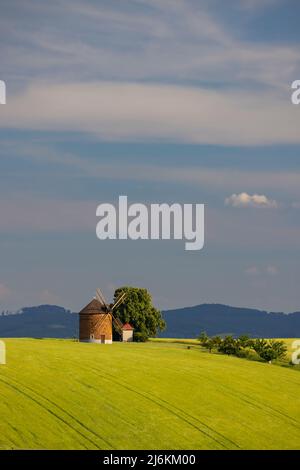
127	326
95	306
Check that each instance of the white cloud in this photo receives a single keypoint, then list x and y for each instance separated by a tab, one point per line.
247	200
272	270
132	111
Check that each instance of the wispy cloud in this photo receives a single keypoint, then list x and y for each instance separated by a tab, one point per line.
222	179
127	111
152	40
127	58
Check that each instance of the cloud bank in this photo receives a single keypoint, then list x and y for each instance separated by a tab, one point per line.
139	112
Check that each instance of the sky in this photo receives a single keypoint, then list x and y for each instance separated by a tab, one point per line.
162	101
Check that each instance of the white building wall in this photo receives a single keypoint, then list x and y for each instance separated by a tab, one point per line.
127	336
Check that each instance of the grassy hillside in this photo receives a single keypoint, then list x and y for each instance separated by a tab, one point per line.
61	394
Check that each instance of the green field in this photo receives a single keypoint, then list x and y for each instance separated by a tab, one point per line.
58	394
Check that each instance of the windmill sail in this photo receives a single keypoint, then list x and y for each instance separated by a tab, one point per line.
107	310
100	297
100	322
119	300
117	324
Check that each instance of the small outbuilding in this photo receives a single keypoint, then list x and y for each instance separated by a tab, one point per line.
127	333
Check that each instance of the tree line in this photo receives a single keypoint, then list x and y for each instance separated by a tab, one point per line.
267	349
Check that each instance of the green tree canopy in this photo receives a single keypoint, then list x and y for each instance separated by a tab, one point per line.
270	350
138	310
229	345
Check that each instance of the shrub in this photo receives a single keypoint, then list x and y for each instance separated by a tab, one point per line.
244	346
217	340
140	337
245	341
206	341
229	346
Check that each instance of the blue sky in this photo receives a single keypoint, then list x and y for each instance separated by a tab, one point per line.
164	101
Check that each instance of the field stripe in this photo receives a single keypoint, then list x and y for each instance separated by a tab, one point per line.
119	397
17	388
254	402
170	408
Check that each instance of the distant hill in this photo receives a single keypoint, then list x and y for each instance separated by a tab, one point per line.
52	321
222	319
43	321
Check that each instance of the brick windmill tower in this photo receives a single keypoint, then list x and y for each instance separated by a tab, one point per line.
96	320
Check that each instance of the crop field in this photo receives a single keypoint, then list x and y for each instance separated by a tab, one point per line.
61	394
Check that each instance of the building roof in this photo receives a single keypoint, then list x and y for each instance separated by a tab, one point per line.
94	307
127	326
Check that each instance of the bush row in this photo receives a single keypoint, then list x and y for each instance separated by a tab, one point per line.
268	350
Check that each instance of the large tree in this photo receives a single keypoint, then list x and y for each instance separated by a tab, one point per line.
138	310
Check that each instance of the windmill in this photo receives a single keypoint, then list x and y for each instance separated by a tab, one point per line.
96	321
109	308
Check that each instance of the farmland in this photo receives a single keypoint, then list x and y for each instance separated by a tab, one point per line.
60	394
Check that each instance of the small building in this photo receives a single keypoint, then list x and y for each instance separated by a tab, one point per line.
95	323
127	333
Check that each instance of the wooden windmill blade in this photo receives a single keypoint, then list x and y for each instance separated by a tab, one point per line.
117	324
119	301
99	323
100	297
